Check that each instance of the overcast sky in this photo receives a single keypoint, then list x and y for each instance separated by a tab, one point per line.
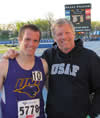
24	10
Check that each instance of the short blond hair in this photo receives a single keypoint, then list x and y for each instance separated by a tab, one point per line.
59	22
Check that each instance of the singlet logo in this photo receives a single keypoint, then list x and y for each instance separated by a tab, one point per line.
29	86
66	69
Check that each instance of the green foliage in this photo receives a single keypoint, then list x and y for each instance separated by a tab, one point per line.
30	22
4	48
42	24
95	25
4	35
19	25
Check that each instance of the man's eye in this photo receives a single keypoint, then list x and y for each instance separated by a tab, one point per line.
59	34
27	39
36	41
68	33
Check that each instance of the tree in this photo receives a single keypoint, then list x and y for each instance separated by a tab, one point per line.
50	19
43	24
19	25
95	25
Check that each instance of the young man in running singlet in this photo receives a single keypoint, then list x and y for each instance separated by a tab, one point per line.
22	78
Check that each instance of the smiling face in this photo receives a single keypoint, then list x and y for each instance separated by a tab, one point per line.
64	37
29	42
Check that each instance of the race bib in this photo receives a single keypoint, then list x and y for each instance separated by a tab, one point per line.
37	75
29	108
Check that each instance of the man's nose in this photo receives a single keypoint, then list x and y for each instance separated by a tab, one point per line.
32	43
64	36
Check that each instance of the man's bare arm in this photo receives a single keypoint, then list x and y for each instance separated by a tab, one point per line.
3	71
45	65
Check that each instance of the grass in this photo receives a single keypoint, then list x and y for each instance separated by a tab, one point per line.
4	48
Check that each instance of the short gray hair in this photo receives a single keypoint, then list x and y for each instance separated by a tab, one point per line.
61	21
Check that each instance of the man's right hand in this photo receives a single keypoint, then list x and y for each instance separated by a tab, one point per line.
11	53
